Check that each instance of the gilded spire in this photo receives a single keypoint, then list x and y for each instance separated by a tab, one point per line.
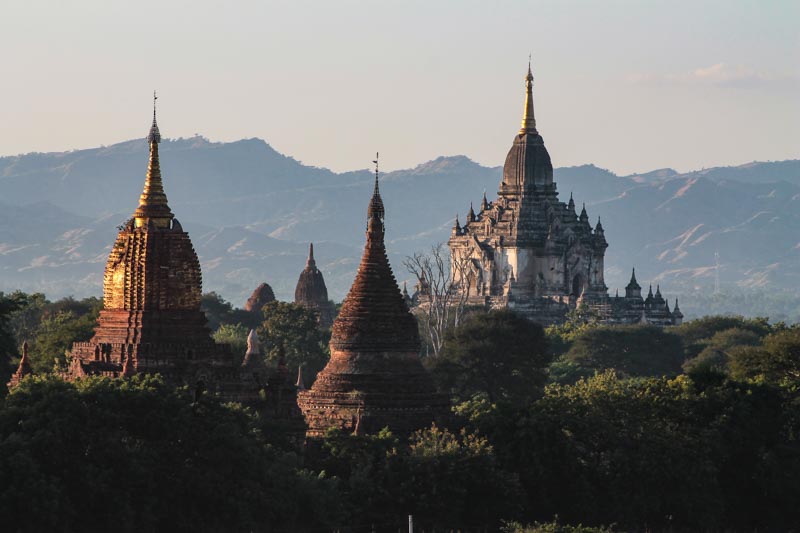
153	201
528	118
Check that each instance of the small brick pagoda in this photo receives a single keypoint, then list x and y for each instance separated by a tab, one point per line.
374	378
311	292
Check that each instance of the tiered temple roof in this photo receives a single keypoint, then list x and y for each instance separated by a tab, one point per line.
374	378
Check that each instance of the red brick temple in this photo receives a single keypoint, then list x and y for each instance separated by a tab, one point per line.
374	378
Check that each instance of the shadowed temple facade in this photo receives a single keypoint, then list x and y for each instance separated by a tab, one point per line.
312	293
374	378
530	252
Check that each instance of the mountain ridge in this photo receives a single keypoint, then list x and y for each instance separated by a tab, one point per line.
59	212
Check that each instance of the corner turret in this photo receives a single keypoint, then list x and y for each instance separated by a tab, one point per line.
633	290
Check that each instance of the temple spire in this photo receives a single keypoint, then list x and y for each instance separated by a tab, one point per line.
375	209
311	263
153	201
528	118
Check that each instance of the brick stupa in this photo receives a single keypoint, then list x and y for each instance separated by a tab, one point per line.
151	319
374	378
312	293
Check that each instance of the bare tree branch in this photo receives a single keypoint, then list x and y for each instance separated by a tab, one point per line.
444	283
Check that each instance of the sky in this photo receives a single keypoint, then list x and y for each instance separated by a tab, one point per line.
628	86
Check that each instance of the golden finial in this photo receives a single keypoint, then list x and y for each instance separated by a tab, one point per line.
528	118
153	201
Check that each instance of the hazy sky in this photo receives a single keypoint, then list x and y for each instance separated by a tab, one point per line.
629	86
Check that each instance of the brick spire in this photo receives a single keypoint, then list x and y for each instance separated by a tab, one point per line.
374	315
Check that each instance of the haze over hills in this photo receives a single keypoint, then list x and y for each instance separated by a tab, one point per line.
251	212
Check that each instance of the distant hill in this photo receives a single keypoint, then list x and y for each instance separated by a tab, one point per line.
251	212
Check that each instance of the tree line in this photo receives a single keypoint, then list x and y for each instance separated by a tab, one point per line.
576	428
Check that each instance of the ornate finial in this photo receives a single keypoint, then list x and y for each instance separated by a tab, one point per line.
300	384
376	203
154	136
153	207
528	118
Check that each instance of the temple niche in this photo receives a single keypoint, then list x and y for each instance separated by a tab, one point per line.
374	378
312	293
528	251
151	321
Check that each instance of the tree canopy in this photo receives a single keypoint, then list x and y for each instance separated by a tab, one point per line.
498	354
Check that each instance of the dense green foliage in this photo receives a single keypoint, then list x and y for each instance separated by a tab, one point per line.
8	341
50	328
653	452
236	336
554	527
690	428
631	350
220	312
292	329
446	480
135	455
498	354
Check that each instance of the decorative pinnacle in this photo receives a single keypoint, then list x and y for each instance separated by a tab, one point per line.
528	118
375	208
154	136
153	201
311	263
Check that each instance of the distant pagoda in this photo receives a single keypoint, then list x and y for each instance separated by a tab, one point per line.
311	292
262	295
374	378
